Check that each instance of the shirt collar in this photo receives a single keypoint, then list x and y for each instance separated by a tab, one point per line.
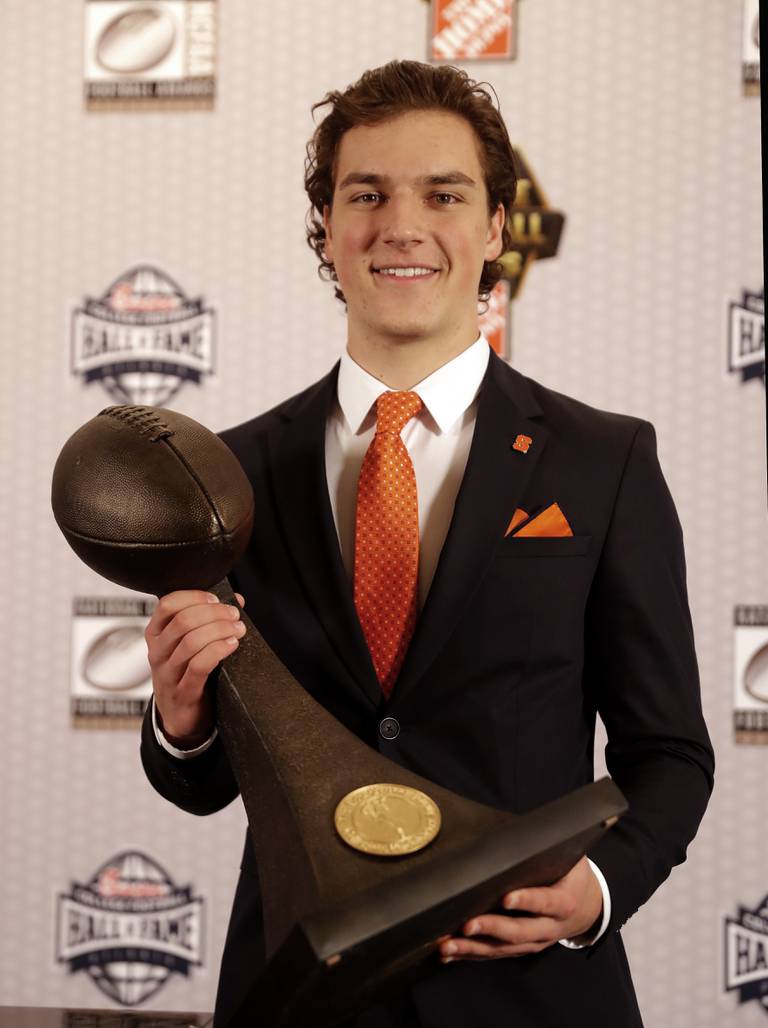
446	393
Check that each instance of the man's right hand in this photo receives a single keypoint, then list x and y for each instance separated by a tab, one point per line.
189	633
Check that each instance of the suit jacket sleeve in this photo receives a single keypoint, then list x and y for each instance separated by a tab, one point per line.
201	785
640	669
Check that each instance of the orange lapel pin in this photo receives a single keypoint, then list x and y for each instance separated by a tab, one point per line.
522	443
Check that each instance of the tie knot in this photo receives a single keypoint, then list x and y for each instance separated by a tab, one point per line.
395	410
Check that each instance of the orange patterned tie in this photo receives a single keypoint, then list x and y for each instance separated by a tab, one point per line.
387	539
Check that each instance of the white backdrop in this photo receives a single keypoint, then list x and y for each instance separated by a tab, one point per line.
634	120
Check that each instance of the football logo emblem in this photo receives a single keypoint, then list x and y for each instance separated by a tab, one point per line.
116	660
136	40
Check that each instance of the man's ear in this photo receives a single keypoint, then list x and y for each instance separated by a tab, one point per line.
494	244
328	244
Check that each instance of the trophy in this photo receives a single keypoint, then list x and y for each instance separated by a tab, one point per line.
363	865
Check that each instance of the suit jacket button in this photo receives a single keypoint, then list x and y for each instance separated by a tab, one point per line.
389	728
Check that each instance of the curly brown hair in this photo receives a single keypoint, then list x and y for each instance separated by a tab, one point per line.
393	89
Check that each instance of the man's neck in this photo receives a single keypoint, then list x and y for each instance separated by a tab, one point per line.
403	364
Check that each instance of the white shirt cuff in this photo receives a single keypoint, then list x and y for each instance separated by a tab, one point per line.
606	912
173	750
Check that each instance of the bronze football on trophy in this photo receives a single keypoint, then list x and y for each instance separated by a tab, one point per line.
152	500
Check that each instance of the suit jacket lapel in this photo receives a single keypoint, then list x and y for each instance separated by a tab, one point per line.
297	469
494	480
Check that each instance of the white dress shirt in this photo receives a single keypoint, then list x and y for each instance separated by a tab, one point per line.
438	439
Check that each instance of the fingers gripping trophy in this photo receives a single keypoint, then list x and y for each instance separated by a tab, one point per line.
364	865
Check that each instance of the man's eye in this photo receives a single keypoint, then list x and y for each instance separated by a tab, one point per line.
368	198
445	199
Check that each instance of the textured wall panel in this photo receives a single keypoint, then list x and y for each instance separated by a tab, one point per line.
633	118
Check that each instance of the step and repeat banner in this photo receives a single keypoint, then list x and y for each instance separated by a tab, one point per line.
152	245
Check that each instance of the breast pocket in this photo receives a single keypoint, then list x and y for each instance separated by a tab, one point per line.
532	579
545	546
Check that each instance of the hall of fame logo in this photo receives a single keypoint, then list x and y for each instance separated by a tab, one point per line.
158	53
143	339
746	954
750	48
535	227
750	656
110	675
746	336
130	927
472	30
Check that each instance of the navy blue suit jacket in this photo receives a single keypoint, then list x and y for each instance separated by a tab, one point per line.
521	642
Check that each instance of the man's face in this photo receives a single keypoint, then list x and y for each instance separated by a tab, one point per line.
409	228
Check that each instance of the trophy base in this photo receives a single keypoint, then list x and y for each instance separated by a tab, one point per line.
340	959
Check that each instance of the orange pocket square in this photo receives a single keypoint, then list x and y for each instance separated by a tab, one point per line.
550	522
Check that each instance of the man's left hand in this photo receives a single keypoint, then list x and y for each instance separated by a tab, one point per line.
568	909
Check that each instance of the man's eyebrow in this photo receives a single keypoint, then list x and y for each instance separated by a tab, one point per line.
447	178
440	178
361	178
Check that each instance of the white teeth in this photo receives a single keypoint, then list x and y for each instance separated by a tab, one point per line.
405	272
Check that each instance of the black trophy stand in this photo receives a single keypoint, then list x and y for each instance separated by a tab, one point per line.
342	926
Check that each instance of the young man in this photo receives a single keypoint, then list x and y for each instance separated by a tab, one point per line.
500	648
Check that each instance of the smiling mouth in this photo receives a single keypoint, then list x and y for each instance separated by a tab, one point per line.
414	272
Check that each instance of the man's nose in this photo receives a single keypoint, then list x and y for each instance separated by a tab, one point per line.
403	223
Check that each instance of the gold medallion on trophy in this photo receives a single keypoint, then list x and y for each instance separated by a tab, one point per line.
387	820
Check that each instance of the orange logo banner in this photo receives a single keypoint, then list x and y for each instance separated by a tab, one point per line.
472	29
